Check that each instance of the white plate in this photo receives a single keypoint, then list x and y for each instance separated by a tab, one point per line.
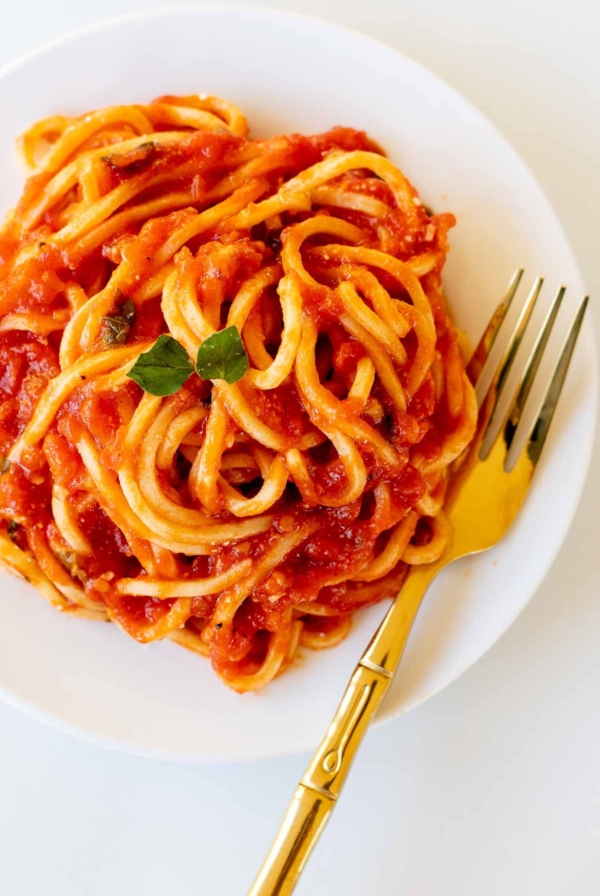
290	73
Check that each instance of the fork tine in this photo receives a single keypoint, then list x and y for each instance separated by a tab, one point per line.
485	344
540	428
516	409
494	392
514	342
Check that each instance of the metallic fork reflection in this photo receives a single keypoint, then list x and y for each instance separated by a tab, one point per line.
484	497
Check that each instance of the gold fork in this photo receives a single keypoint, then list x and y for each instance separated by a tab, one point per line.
484	497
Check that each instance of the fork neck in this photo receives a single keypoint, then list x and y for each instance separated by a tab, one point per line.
384	653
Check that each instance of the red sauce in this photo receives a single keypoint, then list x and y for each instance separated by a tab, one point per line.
27	363
345	536
134	613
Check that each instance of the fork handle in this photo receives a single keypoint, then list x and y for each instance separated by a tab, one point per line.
317	792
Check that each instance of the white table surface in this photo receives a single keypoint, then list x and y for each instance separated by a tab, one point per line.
492	787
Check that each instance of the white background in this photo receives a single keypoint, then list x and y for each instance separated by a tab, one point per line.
492	787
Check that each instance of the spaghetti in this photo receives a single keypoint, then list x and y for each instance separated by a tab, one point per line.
239	515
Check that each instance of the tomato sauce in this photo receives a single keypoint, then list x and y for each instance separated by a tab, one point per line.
344	537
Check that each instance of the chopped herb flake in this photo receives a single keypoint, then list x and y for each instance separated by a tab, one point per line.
69	560
116	327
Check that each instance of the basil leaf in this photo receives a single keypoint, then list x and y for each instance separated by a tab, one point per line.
222	357
116	327
163	369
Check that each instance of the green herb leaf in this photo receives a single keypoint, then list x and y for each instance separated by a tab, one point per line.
116	327
4	463
222	357
163	369
69	560
116	330
132	159
128	311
